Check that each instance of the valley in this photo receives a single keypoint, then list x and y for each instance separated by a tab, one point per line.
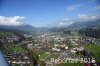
42	47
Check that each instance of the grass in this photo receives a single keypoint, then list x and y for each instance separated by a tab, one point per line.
2	33
95	49
71	64
16	48
41	53
53	55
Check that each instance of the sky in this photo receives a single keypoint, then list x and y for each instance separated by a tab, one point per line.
46	13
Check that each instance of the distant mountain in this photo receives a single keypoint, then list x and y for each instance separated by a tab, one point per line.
14	30
43	29
91	32
85	24
78	25
23	28
20	27
75	25
57	29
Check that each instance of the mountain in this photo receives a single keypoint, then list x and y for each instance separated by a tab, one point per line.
14	30
91	32
85	24
78	25
75	25
23	28
43	29
20	27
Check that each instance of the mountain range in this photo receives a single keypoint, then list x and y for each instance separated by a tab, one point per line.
75	25
85	24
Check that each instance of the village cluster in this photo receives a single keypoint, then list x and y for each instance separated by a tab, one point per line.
63	45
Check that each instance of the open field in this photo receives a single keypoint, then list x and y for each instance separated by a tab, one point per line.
71	64
95	49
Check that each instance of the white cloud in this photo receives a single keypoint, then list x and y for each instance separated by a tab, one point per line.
84	17
14	21
73	7
80	18
64	22
97	7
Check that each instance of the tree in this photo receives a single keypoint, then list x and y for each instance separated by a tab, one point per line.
42	63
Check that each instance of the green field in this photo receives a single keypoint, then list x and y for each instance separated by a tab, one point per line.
2	33
52	55
95	49
71	64
41	53
16	48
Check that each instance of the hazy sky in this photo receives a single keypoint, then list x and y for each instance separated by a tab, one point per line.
42	13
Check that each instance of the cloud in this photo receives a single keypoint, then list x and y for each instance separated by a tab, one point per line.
79	18
73	7
96	7
84	17
64	22
11	21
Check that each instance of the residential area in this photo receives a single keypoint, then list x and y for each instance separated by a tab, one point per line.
48	46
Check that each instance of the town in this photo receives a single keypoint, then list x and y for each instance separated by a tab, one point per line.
22	50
